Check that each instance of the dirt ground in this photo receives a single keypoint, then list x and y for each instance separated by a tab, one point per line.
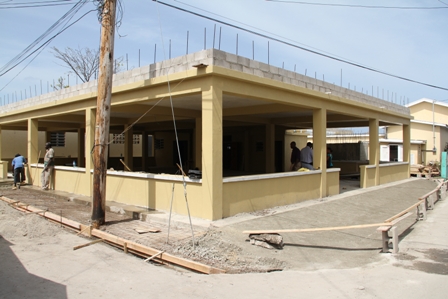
38	261
211	246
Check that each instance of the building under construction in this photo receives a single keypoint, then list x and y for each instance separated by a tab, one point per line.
224	115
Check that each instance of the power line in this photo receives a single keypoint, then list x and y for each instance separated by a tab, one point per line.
360	6
35	4
303	48
24	54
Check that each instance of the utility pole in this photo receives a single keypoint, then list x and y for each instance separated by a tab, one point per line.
101	147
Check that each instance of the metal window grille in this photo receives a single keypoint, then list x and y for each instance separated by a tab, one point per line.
159	144
57	139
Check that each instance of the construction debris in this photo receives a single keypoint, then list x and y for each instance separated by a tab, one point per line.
430	170
143	230
269	241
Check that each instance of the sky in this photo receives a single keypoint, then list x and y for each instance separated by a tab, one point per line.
403	42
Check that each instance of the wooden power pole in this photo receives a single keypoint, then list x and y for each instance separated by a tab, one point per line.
103	112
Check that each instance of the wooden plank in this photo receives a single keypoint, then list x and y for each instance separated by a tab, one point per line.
88	244
316	229
122	162
428	194
404	211
151	251
395	221
37	212
155	255
130	245
384	228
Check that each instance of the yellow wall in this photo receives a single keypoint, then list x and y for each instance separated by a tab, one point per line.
69	180
388	173
393	172
255	195
367	176
332	183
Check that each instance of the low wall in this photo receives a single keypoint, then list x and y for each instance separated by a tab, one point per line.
333	181
156	191
258	192
388	173
392	172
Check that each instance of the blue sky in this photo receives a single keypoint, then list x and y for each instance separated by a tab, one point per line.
408	43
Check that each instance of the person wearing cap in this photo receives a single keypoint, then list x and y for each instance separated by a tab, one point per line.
17	166
306	156
48	166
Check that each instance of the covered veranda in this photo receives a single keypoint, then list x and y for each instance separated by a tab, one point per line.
230	115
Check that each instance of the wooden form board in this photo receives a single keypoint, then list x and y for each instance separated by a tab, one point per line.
316	229
139	249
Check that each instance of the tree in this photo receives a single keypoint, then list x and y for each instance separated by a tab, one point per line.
83	62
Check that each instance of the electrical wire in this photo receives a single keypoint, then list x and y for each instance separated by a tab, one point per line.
303	48
59	23
45	43
42	47
360	6
35	4
177	140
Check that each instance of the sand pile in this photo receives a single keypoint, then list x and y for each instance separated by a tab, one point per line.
15	224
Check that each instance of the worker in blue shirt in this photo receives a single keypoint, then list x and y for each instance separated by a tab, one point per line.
17	167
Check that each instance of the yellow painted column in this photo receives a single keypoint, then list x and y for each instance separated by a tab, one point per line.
374	148
33	151
33	142
198	143
320	146
407	145
212	186
129	147
270	148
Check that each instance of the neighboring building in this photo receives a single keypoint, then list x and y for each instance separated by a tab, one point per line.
232	117
429	133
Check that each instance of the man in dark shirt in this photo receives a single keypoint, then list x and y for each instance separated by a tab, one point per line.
295	157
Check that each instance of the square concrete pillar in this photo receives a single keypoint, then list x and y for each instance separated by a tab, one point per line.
407	145
212	186
3	169
374	148
320	146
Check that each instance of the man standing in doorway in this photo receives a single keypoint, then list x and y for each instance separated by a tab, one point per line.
306	156
295	157
48	166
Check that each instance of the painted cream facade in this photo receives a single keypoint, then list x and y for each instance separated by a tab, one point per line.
429	130
231	116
